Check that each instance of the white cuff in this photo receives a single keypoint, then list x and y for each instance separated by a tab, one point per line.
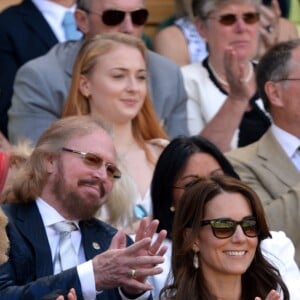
87	280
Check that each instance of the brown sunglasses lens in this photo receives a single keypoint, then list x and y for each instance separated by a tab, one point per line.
230	19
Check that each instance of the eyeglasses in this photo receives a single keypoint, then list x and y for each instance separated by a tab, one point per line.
95	161
230	19
225	228
113	17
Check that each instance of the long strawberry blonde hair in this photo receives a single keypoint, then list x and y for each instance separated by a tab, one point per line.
145	124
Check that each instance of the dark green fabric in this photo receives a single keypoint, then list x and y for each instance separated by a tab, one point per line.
148	41
165	23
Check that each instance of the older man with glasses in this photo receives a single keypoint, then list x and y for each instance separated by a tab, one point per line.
41	86
56	243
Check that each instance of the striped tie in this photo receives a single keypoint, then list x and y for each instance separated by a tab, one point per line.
66	256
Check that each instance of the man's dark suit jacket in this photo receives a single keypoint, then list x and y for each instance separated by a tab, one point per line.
24	35
28	274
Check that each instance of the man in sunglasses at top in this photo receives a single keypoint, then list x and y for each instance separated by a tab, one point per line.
41	86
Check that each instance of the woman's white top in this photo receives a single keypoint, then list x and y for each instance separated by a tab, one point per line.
205	99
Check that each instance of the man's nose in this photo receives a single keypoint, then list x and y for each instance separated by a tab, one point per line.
127	26
101	173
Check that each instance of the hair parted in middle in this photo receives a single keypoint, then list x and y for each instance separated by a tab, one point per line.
170	164
146	125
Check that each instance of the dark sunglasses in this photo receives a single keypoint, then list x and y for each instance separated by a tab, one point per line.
230	19
95	161
225	228
113	17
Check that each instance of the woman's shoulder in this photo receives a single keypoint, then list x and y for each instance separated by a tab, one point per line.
157	145
279	246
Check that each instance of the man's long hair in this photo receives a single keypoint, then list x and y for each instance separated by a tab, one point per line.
32	176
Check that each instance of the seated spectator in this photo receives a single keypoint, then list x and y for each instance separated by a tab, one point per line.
271	165
28	30
218	227
180	41
182	162
55	241
110	81
38	99
223	105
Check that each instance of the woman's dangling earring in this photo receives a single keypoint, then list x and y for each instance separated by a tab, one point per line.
172	208
196	260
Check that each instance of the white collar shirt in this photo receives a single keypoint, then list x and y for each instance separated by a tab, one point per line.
85	270
54	14
289	143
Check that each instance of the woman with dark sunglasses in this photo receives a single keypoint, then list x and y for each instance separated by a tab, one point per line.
218	228
223	103
183	162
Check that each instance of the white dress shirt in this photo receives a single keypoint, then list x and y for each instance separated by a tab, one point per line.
54	15
289	144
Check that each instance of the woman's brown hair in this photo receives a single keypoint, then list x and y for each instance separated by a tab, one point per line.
189	283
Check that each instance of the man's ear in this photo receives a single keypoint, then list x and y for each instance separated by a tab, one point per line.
50	163
274	92
82	21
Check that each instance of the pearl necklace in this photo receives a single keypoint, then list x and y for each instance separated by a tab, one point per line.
224	82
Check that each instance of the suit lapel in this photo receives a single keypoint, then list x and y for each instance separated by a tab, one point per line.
276	160
36	22
30	224
94	239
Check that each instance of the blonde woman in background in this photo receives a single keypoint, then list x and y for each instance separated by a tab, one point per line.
110	81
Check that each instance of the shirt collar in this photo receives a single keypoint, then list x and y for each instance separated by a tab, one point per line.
287	141
53	9
49	214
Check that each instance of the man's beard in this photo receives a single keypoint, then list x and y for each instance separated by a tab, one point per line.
72	202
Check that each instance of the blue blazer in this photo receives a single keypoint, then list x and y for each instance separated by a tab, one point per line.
24	35
28	274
